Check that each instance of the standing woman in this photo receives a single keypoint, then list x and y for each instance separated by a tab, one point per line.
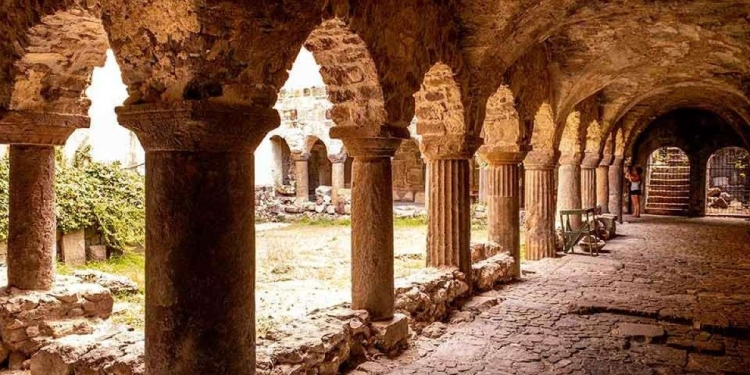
636	182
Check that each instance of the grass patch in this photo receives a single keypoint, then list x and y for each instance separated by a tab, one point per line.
408	222
322	222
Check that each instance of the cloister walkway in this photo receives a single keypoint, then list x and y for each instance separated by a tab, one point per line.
672	296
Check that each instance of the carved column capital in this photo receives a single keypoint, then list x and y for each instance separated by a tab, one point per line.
606	160
500	155
590	160
617	161
338	158
541	159
449	146
39	128
198	126
370	143
300	156
570	158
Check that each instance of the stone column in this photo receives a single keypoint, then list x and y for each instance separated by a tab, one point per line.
302	180
449	209
602	183
200	237
372	222
32	229
540	204
615	186
32	226
503	201
588	180
569	186
338	179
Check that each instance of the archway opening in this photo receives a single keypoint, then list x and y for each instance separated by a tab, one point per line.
408	173
319	167
728	183
282	162
667	178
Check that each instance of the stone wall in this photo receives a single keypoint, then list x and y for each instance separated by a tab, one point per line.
409	173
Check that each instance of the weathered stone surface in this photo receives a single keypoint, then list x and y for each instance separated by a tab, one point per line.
72	248
388	334
116	284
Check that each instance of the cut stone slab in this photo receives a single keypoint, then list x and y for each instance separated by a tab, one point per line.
480	303
390	333
647	332
73	248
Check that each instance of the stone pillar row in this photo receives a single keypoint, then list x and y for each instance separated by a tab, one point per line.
449	207
615	186
540	204
602	183
503	200
588	179
569	185
32	227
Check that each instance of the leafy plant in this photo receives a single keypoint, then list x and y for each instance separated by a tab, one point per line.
90	194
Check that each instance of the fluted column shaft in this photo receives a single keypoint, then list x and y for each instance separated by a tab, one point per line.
301	176
200	234
449	204
569	186
503	210
602	183
540	204
449	212
588	180
615	187
32	229
483	185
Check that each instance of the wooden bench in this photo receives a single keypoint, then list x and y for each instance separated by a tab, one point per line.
588	229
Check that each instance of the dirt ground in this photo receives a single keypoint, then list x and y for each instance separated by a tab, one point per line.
304	267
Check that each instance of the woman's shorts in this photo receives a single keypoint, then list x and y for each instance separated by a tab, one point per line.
635	192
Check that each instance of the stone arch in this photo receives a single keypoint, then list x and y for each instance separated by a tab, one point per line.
502	124
438	104
57	59
409	172
350	75
728	182
319	167
282	168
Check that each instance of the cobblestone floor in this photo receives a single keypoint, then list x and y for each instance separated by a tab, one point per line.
671	296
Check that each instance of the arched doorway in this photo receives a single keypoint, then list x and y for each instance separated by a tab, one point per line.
319	167
668	182
728	184
282	161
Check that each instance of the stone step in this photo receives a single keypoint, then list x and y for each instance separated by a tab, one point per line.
668	192
673	200
670	176
682	184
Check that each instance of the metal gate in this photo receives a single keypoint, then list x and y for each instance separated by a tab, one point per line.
728	185
668	182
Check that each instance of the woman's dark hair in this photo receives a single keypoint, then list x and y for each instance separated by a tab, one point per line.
639	170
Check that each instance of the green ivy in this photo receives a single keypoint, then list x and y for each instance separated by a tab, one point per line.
90	194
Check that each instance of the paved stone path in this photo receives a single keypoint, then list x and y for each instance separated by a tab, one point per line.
672	296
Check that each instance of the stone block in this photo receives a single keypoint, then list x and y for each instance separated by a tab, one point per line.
72	248
610	224
419	197
389	334
97	253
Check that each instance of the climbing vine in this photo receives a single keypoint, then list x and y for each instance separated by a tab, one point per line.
102	196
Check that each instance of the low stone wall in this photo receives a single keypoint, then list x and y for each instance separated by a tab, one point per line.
328	340
430	295
30	320
336	338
